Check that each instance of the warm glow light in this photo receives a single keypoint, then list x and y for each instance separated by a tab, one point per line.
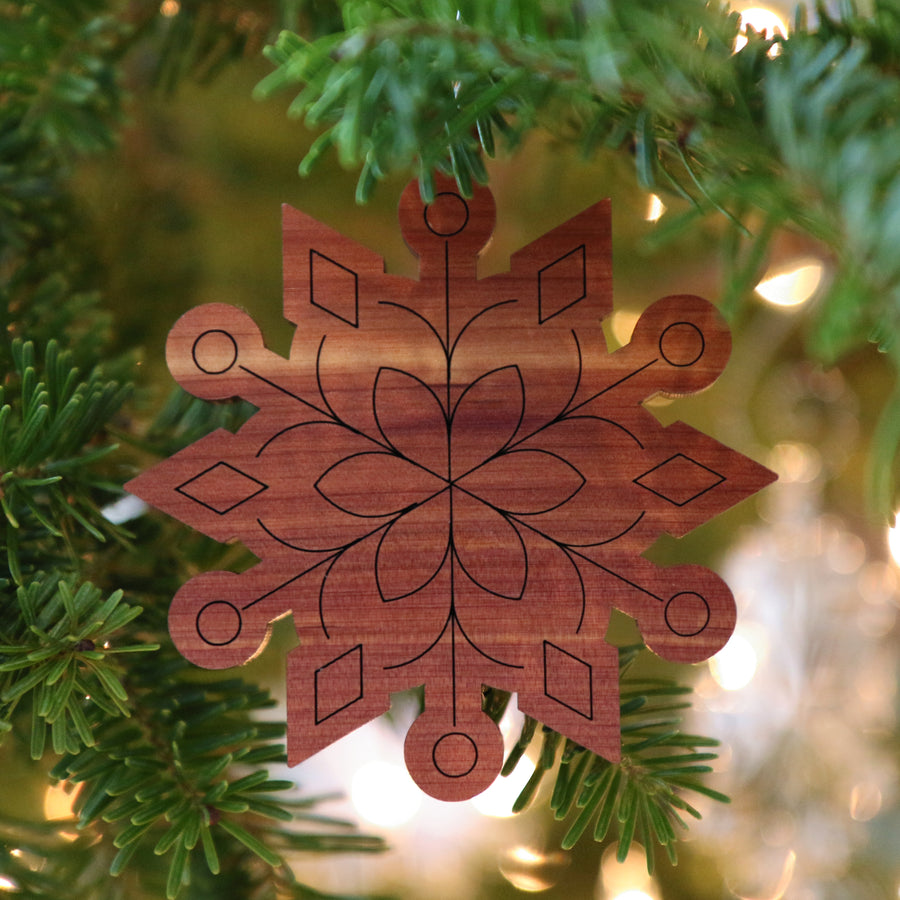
532	871
384	794
58	801
497	801
762	20
655	209
7	884
865	801
170	8
792	287
627	880
734	666
783	883
622	324
894	539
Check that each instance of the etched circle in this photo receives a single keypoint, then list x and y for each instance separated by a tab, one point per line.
215	351
455	754
682	344
687	613
447	215
219	623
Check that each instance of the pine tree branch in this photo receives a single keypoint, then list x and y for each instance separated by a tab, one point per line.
797	132
643	794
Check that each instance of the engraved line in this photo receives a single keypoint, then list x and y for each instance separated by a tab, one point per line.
447	353
425	652
570	548
340	547
615	574
422	586
478	649
290	580
478	315
583	592
474	580
514	512
418	315
283	390
319	379
622	533
580	374
453	659
615	384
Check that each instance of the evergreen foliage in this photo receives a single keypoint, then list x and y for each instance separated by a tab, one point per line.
797	132
643	794
172	764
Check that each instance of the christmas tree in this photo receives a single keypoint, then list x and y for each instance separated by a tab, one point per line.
139	178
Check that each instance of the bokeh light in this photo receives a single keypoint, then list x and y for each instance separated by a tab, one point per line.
384	794
734	666
655	208
497	801
532	871
793	286
763	20
894	539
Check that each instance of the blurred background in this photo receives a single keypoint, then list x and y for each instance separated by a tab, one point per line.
187	211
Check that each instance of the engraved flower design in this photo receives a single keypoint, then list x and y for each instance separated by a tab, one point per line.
450	482
455	483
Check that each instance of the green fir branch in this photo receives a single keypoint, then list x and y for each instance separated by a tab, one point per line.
185	775
642	795
52	425
59	647
797	132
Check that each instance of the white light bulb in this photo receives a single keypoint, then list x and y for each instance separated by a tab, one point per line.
384	794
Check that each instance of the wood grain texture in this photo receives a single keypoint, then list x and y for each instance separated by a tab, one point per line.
450	483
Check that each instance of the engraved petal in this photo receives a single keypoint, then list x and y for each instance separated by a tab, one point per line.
414	548
486	417
377	484
524	481
411	419
488	547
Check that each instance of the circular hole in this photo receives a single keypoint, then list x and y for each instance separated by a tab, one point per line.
687	614
447	215
455	754
682	344
219	623
215	352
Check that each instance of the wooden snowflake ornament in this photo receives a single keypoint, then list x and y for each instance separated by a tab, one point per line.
450	483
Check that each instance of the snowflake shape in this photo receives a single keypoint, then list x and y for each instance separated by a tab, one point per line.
450	482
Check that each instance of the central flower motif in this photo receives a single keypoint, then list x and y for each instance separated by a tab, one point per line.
453	481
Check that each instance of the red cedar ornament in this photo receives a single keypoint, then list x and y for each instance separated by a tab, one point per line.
450	483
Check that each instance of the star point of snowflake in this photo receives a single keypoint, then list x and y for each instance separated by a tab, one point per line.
450	483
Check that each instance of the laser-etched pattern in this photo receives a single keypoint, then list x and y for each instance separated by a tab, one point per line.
450	482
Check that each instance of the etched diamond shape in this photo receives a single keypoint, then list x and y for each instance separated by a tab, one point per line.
679	479
568	680
334	288
562	284
339	684
221	488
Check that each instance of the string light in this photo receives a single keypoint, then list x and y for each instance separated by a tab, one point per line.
655	208
170	8
384	794
532	871
893	537
763	20
734	666
793	286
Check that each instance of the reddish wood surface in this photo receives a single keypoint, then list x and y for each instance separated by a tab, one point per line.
450	483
